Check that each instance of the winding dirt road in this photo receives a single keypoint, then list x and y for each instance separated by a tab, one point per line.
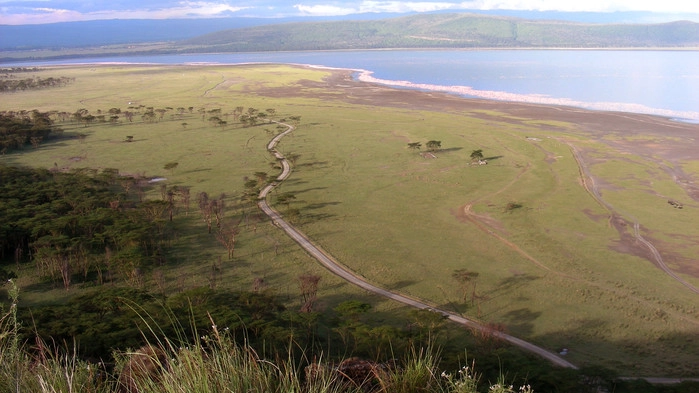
331	264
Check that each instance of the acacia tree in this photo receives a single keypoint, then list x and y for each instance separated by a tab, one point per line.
465	277
477	155
261	178
205	208
434	145
286	198
184	193
227	235
308	284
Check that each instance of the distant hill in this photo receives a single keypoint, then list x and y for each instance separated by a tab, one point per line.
109	32
127	31
447	31
371	31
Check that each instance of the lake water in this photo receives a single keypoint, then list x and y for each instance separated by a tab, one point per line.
656	82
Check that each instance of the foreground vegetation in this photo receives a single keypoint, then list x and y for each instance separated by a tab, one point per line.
217	359
555	281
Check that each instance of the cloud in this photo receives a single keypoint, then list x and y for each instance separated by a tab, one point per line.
47	11
183	9
345	8
324	10
677	6
375	7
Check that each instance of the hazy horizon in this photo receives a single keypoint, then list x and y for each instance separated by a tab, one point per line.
23	12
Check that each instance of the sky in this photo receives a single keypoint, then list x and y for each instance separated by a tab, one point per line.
17	12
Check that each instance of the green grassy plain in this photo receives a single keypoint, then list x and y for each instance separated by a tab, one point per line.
551	270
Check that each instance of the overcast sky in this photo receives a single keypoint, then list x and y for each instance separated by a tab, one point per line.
49	11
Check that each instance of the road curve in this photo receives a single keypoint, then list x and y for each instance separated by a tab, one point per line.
329	263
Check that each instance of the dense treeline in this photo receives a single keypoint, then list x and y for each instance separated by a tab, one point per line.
18	129
78	225
11	85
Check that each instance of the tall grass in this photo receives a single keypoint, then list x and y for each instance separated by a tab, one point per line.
211	363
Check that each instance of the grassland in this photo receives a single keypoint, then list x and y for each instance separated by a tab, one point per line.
562	269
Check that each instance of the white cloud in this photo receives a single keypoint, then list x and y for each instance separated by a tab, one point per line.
670	6
403	6
324	10
677	6
184	9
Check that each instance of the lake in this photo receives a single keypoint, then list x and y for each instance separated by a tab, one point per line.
661	82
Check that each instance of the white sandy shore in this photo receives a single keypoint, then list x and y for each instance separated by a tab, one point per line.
366	76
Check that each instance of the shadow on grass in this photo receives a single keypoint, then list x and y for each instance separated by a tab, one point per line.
316	164
321	205
309	189
521	321
196	170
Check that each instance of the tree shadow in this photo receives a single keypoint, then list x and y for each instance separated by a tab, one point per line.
516	280
314	206
402	284
196	170
449	150
309	189
493	158
316	164
521	321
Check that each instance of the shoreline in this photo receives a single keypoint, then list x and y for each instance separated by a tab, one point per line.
364	75
469	92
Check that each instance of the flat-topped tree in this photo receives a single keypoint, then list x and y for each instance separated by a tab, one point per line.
434	145
477	155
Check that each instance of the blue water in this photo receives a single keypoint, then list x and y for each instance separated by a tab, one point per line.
657	82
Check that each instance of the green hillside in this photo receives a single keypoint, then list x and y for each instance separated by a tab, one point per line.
447	31
425	31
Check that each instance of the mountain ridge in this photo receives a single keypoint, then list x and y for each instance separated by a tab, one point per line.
449	30
438	30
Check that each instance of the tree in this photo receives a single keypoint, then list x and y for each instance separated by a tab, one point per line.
286	198
477	155
465	277
434	145
261	177
148	117
308	284
227	236
185	196
415	145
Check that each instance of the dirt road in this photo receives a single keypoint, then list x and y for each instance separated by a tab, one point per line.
331	264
